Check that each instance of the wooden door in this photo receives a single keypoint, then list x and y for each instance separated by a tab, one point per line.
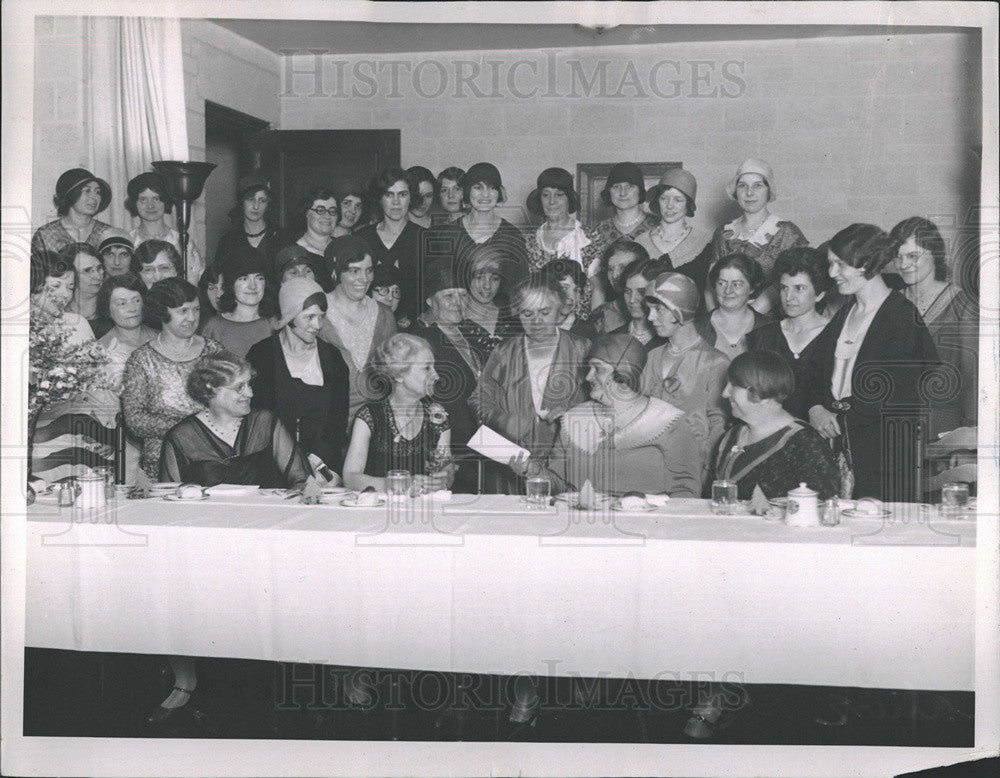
298	160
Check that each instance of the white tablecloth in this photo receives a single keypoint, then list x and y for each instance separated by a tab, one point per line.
480	584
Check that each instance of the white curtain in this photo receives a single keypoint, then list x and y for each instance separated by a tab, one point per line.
136	98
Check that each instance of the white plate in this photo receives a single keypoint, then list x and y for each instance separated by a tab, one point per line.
352	502
175	498
334	490
645	508
853	513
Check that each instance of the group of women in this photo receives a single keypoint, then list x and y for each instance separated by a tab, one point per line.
641	353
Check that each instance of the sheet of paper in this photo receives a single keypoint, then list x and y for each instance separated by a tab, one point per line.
495	446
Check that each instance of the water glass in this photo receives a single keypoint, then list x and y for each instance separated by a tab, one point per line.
830	513
724	497
954	499
538	493
397	484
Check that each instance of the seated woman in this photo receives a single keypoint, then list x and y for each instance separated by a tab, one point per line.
387	288
301	379
768	447
155	394
573	283
735	280
227	442
423	185
803	287
296	262
449	189
404	431
621	440
949	311
209	292
530	381
245	307
355	323
633	282
685	372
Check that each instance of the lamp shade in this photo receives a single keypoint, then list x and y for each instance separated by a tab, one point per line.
184	180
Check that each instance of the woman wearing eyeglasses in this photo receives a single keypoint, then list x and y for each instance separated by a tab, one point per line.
394	239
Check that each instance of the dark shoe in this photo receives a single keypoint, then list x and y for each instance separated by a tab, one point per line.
161	716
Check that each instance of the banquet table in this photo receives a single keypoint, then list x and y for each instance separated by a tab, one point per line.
482	584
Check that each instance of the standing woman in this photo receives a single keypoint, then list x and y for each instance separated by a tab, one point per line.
245	307
735	280
804	285
875	353
80	196
354	323
562	235
209	292
394	239
251	221
624	191
90	276
530	381
686	372
353	212
318	212
304	381
483	227
149	202
482	273
449	189
673	201
423	185
757	233
951	315
155	394
116	252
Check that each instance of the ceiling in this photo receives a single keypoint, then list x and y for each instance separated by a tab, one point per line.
340	37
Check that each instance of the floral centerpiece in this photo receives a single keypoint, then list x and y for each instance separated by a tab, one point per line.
59	369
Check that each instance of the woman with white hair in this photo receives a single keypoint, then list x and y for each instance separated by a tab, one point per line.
405	430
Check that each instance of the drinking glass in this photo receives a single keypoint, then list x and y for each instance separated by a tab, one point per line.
954	499
537	495
397	484
108	473
724	497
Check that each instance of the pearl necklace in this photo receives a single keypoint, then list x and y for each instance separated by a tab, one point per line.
626	227
178	354
224	434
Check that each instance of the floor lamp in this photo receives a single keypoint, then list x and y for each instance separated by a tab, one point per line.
184	182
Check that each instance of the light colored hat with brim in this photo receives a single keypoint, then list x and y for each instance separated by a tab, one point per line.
676	292
761	168
292	295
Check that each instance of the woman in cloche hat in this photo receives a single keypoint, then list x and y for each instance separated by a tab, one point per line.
673	201
757	233
80	196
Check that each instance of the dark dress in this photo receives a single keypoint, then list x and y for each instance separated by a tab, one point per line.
772	338
405	255
234	238
317	415
454	243
389	450
264	454
892	389
457	381
779	463
703	324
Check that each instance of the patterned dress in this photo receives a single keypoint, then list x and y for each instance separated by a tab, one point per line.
155	398
54	237
389	450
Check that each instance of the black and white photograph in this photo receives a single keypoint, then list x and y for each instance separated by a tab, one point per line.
499	388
